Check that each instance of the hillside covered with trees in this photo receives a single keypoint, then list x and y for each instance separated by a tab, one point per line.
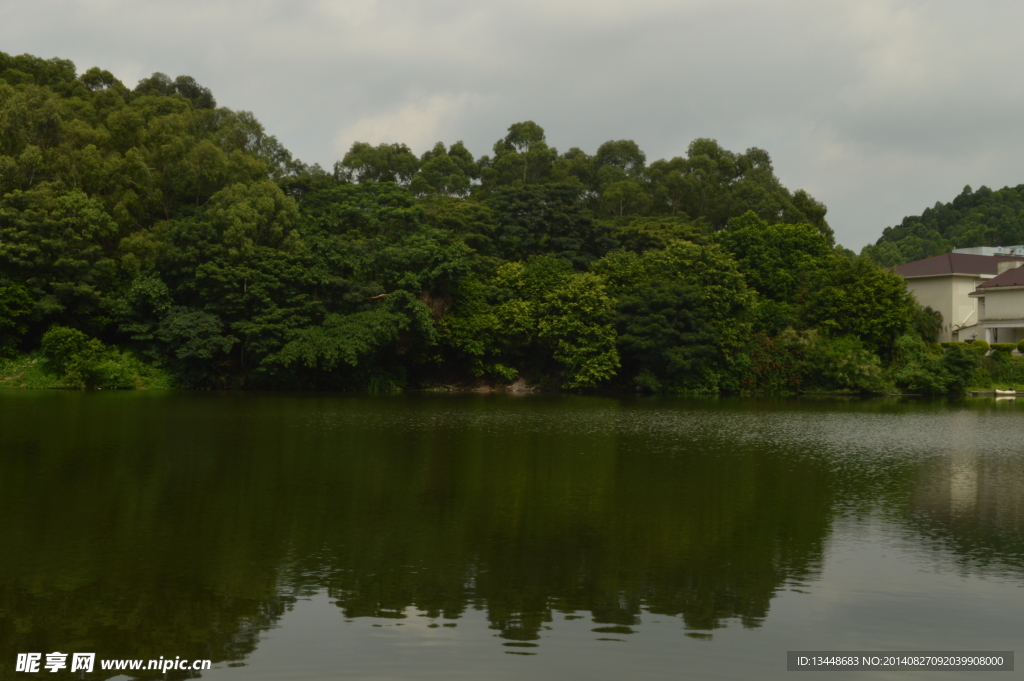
149	237
974	218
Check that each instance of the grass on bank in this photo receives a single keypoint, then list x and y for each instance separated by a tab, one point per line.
27	371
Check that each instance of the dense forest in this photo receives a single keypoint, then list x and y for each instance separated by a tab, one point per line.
149	237
975	218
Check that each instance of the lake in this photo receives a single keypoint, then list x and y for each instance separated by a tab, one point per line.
423	536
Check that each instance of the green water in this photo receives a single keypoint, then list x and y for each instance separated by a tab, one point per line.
311	536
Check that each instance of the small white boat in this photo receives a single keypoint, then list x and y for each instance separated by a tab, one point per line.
1006	393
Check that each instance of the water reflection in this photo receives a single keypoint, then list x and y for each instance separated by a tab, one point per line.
141	525
972	506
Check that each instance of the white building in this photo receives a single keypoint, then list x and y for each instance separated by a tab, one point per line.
946	283
1001	306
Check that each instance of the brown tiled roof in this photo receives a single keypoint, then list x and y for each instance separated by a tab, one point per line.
1013	277
953	263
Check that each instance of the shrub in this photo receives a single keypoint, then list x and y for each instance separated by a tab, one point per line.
60	345
768	367
1003	371
1004	348
981	378
961	366
979	345
83	362
820	362
918	370
1020	347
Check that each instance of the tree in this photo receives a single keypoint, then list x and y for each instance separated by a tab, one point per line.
780	260
447	173
239	275
719	185
364	341
577	316
15	307
544	219
364	164
624	198
858	298
682	315
536	318
60	245
662	336
973	218
520	158
928	323
639	234
161	85
623	155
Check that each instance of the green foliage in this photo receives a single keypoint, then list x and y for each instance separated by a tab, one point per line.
771	369
725	298
920	369
576	316
663	337
1004	349
780	261
928	323
547	219
384	163
823	363
60	345
682	318
720	185
160	84
196	341
979	346
30	371
445	173
981	218
1020	347
15	308
59	244
999	370
348	339
83	362
961	365
534	318
772	317
359	340
521	158
149	223
846	363
858	298
639	234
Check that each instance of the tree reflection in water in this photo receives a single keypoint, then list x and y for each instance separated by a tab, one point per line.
190	523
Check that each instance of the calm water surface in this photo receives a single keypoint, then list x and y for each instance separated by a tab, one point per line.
320	536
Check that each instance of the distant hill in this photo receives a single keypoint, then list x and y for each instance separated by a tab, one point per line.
974	218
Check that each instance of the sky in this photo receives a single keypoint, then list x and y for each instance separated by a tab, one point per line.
878	108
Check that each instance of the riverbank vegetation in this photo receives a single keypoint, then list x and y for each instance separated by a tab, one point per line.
149	237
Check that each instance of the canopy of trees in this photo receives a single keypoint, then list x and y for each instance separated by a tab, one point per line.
149	225
975	218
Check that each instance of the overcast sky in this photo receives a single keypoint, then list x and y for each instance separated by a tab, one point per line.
878	108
